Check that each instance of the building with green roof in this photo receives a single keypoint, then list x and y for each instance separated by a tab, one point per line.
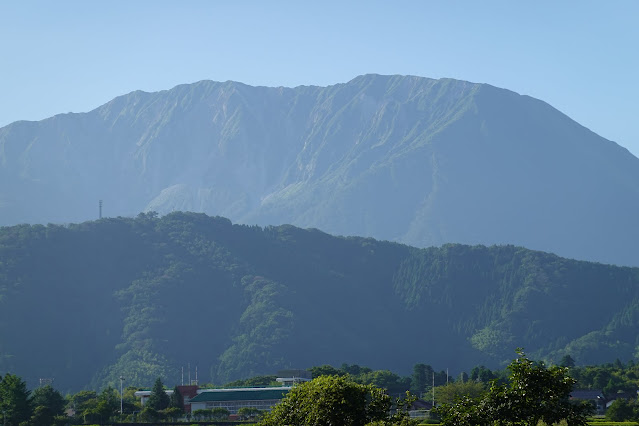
233	399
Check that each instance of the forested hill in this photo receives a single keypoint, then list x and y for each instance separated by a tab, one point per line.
402	158
86	303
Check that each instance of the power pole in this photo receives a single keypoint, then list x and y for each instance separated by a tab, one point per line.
121	381
100	204
433	389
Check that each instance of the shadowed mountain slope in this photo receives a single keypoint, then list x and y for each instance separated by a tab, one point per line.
86	303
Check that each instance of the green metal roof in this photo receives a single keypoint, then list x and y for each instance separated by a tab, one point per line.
241	395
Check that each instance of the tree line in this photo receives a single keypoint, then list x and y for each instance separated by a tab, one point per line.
47	406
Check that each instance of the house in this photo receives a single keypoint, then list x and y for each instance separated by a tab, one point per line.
145	394
594	396
232	399
235	398
420	409
293	377
186	391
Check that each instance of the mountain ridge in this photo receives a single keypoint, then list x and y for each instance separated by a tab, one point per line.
403	158
143	296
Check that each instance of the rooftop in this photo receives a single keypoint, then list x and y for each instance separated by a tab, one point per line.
241	394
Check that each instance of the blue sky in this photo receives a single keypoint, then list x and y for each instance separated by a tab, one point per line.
581	56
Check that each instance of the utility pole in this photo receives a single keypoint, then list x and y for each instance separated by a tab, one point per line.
121	396
100	213
433	389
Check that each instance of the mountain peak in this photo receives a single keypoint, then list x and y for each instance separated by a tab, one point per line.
404	158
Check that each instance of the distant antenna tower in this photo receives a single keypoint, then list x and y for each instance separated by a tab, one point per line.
46	381
100	204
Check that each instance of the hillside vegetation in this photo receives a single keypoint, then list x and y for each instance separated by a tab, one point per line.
143	297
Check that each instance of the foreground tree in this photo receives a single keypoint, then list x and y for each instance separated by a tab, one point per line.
620	410
48	404
176	400
535	393
334	401
158	400
14	400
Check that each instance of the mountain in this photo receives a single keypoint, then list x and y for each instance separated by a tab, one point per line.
408	159
142	297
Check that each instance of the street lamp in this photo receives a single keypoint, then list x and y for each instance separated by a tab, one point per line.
121	396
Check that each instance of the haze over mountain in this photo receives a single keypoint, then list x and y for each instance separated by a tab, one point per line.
403	158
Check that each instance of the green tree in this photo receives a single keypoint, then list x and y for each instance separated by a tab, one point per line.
83	401
248	413
42	416
535	393
331	400
48	404
202	414
220	413
326	370
98	408
149	414
14	400
385	379
173	413
176	400
158	400
108	402
420	380
567	361
619	411
482	374
455	390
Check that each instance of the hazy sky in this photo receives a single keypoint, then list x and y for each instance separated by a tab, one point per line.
580	56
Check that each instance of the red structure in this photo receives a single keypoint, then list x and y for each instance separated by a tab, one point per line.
188	392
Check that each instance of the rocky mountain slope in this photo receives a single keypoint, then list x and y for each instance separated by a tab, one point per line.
408	159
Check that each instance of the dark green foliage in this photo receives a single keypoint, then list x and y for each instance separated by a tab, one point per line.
47	404
173	413
482	374
157	293
326	370
15	403
567	361
158	400
420	380
176	400
621	410
220	413
211	414
248	413
331	400
535	393
101	408
149	415
256	381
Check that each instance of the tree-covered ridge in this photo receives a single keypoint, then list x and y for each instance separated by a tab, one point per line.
143	297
